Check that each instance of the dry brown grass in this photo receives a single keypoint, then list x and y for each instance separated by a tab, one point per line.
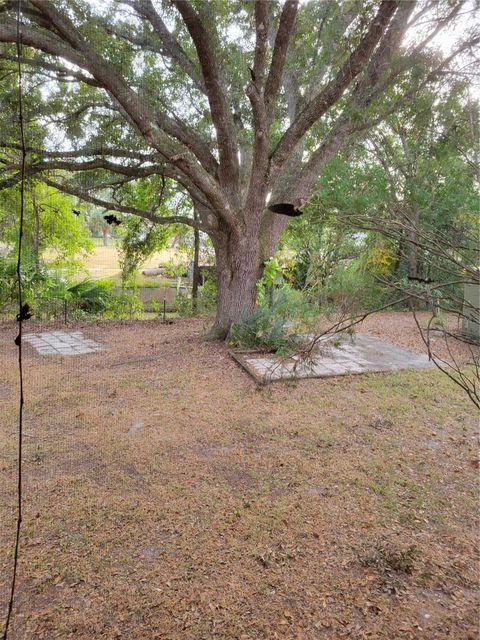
103	262
167	497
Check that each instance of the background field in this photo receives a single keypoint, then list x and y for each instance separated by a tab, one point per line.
104	263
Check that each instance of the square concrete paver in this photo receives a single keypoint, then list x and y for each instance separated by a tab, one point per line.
65	343
334	356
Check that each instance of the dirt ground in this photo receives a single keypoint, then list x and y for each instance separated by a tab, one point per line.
166	496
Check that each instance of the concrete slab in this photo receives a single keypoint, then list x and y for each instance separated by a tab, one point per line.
65	343
333	356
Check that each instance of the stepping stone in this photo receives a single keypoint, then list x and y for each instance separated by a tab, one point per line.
65	343
364	354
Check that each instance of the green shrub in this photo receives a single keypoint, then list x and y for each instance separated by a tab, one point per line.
206	301
183	306
90	296
175	270
46	292
351	290
261	330
292	305
155	306
301	268
122	306
36	282
275	326
207	297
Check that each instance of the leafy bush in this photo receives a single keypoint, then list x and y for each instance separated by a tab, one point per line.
155	306
141	238
301	268
175	270
277	272
351	289
207	297
122	306
92	296
275	328
183	306
262	330
292	305
47	293
39	287
36	282
206	300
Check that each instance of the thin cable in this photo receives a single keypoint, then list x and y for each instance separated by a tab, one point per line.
20	318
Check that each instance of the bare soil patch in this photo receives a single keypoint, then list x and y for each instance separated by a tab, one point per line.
169	497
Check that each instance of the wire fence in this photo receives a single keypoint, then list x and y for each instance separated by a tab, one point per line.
124	303
51	308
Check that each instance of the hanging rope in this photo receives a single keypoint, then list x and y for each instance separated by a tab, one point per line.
23	314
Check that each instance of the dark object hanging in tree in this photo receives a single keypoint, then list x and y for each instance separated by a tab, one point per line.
252	75
24	313
426	280
111	219
76	212
285	209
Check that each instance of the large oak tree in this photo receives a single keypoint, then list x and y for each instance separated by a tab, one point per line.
239	103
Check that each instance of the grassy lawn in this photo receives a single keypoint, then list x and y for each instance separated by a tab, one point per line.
103	262
168	497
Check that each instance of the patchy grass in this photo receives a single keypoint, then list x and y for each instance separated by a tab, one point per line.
103	262
388	558
334	508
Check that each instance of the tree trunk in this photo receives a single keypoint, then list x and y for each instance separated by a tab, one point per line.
105	236
412	255
239	263
36	231
413	245
238	268
196	270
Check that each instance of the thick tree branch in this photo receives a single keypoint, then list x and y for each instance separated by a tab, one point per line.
336	87
90	165
217	98
381	61
193	142
170	46
282	39
86	152
258	174
113	206
141	114
83	55
302	183
345	125
172	126
62	72
42	40
261	34
57	162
